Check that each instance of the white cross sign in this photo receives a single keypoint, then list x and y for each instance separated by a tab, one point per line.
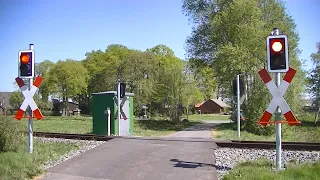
277	97
29	101
121	105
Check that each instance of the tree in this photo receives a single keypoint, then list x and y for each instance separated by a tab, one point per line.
191	93
70	78
168	87
232	42
314	80
15	99
45	88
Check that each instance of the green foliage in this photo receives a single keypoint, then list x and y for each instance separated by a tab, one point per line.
258	100
46	87
314	77
230	43
15	99
70	79
10	134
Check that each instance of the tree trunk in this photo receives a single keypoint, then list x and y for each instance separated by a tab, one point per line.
187	112
317	115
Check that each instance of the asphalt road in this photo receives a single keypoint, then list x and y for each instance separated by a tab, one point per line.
176	157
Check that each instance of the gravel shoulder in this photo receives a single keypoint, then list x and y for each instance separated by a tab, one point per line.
227	158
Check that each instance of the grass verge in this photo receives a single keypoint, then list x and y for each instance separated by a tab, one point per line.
208	117
159	127
304	132
23	165
83	125
261	170
59	124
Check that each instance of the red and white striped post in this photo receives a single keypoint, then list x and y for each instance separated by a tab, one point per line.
277	97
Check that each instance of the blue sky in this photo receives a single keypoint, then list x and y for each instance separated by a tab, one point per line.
63	29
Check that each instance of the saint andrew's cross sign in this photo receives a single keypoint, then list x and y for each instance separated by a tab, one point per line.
29	101
277	97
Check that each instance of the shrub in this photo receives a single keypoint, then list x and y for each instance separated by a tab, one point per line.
258	101
11	135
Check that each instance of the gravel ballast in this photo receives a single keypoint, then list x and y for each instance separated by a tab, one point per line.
84	145
227	158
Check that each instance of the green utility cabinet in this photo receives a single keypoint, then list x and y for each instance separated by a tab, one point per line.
101	102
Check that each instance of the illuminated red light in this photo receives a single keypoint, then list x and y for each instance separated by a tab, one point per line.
24	58
276	45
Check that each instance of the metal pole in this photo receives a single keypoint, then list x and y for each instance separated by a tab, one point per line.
118	94
30	124
238	105
278	129
277	116
108	111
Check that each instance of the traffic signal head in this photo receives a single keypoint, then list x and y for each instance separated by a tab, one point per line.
122	90
26	64
277	52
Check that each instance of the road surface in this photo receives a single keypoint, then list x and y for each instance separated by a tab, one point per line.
185	155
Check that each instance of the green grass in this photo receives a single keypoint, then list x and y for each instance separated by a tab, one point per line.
304	132
23	165
59	124
83	125
205	117
261	170
159	127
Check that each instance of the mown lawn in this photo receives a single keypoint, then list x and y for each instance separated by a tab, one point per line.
159	127
59	124
83	125
261	170
304	132
23	165
205	117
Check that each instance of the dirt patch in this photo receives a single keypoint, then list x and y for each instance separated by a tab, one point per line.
38	177
214	133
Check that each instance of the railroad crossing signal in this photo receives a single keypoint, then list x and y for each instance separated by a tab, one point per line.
29	101
26	64
122	90
277	52
277	97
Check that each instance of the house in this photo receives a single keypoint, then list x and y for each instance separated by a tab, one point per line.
4	102
59	106
212	106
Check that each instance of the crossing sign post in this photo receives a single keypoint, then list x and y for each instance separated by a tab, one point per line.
278	62
26	71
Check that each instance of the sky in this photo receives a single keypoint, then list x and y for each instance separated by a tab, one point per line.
63	29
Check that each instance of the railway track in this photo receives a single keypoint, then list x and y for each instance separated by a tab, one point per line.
230	144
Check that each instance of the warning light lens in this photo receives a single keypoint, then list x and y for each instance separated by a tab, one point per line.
276	46
24	58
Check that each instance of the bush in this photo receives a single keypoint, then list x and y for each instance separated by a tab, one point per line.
11	135
257	103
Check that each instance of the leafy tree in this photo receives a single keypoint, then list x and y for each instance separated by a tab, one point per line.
232	42
42	69
191	93
314	79
16	99
70	78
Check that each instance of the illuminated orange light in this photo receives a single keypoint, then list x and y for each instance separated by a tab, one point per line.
24	58
277	46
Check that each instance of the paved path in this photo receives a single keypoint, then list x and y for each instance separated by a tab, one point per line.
199	131
179	156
